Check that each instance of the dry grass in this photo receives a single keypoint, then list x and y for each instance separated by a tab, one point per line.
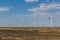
29	33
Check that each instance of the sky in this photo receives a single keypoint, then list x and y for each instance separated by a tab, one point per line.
29	13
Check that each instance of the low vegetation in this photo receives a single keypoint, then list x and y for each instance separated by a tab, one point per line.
29	33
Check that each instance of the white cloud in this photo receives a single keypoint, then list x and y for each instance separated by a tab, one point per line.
4	8
43	9
46	7
31	0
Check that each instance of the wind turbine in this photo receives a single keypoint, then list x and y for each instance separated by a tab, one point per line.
51	21
33	18
34	21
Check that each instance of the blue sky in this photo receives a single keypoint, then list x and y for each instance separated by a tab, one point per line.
22	13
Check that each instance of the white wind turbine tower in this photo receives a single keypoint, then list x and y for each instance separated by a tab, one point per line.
51	18
51	21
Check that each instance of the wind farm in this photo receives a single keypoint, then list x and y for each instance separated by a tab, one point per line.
29	19
34	32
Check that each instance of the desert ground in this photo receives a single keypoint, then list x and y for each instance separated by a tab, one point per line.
29	33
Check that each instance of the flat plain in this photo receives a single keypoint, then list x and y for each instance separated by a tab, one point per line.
29	33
